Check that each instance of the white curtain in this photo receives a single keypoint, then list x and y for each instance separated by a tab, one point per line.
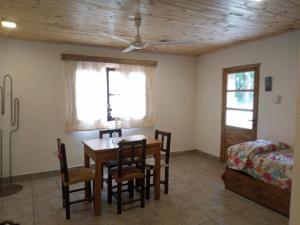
86	95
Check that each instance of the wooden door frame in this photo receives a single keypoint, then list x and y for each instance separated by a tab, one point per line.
226	71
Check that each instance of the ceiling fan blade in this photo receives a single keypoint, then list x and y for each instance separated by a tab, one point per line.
119	38
129	49
169	42
115	37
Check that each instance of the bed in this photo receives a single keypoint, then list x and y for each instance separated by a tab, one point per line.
261	170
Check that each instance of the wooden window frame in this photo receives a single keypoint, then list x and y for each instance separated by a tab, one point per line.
109	109
87	58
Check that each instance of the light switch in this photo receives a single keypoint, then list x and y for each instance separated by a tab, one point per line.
276	99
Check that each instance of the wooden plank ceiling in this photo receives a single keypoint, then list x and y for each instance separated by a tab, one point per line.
210	24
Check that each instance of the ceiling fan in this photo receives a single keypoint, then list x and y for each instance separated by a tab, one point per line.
139	44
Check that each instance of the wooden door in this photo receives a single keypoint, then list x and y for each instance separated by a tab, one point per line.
240	106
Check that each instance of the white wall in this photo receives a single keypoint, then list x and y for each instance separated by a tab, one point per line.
295	203
39	83
181	82
279	58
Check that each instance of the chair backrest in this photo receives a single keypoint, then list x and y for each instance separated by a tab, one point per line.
62	157
110	132
165	138
132	153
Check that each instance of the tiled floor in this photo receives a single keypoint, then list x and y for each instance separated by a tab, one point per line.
197	197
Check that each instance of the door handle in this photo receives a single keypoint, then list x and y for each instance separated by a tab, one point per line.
254	122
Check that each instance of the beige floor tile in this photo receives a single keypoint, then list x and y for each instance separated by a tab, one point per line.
148	217
196	197
168	204
127	217
56	218
41	185
13	200
242	219
235	203
17	211
191	216
86	217
47	206
269	214
1	204
82	207
210	223
24	220
180	188
213	209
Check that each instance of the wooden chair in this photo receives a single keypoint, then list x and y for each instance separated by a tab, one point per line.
110	164
130	167
74	176
110	132
165	138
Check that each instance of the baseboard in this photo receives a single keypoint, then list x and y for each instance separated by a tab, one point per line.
204	154
184	152
37	175
194	151
51	173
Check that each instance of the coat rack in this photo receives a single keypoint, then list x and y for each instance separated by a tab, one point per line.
6	183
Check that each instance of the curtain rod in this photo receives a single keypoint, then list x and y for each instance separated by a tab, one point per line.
108	60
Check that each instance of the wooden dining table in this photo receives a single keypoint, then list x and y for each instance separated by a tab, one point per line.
103	150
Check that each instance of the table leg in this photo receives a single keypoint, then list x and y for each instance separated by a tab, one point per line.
86	165
97	189
157	174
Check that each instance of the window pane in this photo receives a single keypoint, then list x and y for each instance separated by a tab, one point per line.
241	81
117	82
240	119
137	94
116	104
240	100
90	95
127	95
117	90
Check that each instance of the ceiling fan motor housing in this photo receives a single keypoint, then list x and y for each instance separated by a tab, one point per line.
138	20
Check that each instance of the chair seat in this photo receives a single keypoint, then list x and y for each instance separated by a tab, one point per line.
150	162
128	173
79	175
113	163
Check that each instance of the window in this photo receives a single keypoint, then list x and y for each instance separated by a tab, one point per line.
99	95
134	94
240	99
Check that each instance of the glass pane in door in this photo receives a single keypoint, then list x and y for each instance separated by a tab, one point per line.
240	100
241	119
241	81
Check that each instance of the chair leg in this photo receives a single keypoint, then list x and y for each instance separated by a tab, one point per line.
119	194
137	184
89	190
63	195
109	189
147	183
130	188
142	192
102	181
93	190
166	182
67	202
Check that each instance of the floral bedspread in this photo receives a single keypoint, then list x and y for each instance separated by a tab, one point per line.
269	161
